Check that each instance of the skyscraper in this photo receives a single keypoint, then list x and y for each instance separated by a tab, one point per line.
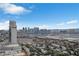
13	48
12	32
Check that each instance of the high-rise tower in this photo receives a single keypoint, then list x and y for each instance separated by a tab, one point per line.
12	32
13	48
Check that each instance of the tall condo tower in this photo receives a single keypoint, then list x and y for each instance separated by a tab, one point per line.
12	32
13	48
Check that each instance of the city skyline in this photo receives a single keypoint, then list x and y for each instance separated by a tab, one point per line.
49	16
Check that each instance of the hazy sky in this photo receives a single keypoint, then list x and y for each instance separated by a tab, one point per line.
55	16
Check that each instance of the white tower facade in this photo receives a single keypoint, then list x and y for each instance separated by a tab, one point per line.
12	32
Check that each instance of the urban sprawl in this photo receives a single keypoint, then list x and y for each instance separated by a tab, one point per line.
38	42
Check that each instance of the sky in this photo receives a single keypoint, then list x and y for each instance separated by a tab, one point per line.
42	15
